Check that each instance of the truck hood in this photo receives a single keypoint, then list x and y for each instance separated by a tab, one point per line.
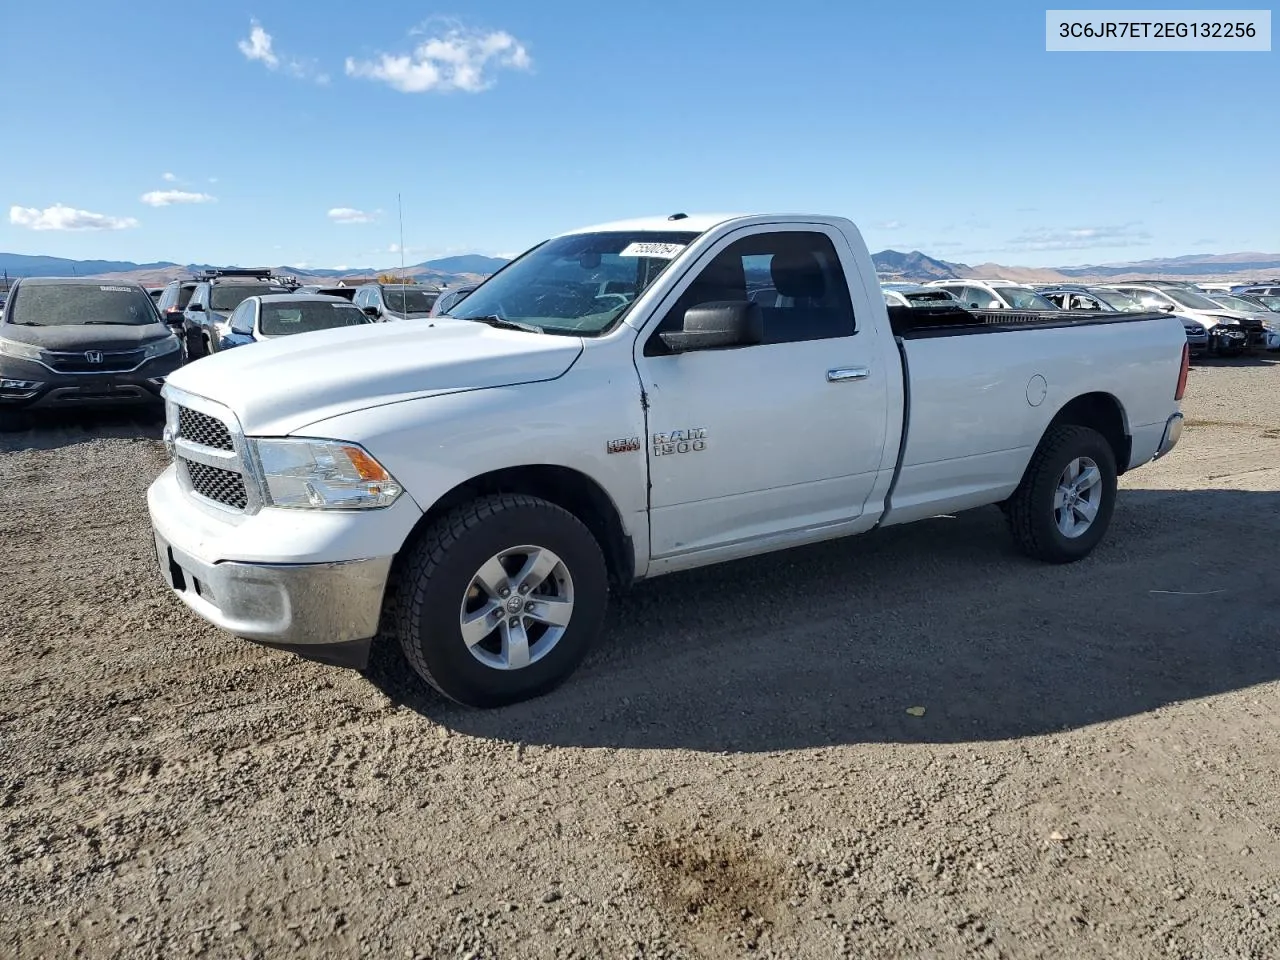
280	386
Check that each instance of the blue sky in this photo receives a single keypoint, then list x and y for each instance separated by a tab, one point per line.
939	126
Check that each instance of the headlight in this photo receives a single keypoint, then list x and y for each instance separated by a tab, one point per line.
1227	321
162	348
19	350
323	475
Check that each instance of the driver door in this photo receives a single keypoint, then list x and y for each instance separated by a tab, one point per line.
781	439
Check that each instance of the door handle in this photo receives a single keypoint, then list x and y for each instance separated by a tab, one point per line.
841	374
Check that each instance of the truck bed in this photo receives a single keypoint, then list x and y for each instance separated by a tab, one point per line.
916	323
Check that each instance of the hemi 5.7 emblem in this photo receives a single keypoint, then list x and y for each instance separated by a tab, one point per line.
692	440
625	445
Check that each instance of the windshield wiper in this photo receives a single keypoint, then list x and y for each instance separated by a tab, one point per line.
111	323
502	323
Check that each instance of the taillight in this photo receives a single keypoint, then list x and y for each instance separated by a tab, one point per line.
1182	374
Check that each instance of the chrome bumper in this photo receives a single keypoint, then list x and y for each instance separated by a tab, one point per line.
1172	433
290	605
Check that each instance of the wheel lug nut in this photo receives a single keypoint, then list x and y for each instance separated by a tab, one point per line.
504	592
524	588
513	622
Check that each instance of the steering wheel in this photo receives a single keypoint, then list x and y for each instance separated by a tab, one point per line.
610	301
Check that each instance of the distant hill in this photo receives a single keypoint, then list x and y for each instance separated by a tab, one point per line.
21	265
915	266
890	265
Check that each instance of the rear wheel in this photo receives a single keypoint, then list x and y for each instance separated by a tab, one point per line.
1063	505
500	600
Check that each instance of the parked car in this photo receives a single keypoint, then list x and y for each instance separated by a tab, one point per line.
1079	297
174	299
1230	332
990	295
489	478
450	297
155	293
1269	300
81	343
217	293
1269	287
285	314
1259	311
917	295
346	293
394	301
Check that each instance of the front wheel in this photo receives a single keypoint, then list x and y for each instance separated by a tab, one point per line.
499	601
1063	505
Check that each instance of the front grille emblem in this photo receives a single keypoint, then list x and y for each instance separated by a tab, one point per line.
93	356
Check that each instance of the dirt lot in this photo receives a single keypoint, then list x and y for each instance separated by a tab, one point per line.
733	773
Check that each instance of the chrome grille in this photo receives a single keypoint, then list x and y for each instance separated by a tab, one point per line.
203	429
221	486
105	361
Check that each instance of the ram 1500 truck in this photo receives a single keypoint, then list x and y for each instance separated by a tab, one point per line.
617	403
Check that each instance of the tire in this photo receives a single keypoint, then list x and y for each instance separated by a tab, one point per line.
438	583
193	345
1032	511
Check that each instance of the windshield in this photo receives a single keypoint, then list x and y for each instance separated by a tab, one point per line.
1235	303
1022	299
68	304
578	284
1192	301
225	297
931	298
1271	300
1123	301
283	319
408	300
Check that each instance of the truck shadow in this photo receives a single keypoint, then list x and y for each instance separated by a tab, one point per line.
832	644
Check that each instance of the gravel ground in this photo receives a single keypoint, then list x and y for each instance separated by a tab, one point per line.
1094	773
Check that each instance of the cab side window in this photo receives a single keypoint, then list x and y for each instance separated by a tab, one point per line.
795	277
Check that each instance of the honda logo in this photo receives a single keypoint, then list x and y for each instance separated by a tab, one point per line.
93	356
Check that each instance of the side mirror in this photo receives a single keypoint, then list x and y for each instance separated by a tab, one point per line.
173	318
1169	308
720	323
371	312
196	307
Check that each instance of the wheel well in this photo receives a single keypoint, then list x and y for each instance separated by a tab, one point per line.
566	488
1101	412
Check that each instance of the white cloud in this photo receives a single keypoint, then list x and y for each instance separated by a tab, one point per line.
169	177
164	198
887	225
1081	238
257	46
260	46
61	217
213	179
457	59
351	215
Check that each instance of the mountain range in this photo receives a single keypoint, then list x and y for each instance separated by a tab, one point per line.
890	264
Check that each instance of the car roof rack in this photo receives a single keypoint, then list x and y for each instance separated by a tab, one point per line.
256	273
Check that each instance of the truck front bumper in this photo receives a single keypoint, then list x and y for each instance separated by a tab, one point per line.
282	604
312	583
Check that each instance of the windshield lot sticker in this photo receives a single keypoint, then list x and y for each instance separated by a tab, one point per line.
693	440
116	289
662	251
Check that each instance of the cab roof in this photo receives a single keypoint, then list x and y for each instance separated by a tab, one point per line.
694	222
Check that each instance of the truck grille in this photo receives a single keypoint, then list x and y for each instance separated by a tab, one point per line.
221	486
203	429
118	361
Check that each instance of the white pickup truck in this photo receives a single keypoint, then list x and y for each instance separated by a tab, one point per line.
617	403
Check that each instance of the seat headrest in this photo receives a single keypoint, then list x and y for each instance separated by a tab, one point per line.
798	274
